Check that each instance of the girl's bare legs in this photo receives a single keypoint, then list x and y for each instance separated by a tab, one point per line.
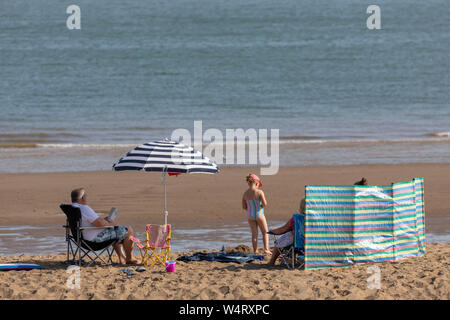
254	228
262	223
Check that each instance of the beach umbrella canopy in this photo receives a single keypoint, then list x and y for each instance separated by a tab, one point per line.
168	157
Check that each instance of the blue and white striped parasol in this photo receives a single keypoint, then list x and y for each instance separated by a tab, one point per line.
167	157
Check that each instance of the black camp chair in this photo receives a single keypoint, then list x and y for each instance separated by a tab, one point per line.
290	256
293	256
76	245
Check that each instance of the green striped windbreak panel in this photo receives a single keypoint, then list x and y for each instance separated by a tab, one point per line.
349	224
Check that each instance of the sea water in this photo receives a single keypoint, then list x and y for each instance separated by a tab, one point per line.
136	70
40	240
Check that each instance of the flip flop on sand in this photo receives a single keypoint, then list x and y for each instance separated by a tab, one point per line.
128	271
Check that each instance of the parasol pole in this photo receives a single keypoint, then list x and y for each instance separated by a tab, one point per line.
165	196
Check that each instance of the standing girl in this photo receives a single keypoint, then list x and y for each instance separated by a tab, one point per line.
254	201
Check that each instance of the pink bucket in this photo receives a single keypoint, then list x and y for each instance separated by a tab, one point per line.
170	265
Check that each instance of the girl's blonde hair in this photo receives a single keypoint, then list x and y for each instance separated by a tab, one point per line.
250	179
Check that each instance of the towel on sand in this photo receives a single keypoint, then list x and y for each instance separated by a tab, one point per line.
238	257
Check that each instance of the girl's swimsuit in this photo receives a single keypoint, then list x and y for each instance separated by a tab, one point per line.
254	209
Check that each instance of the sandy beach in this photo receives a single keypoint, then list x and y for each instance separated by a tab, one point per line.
194	200
426	277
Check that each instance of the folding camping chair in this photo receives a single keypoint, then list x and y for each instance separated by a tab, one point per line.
294	255
156	249
76	245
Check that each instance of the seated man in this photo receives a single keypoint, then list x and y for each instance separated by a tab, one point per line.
91	219
287	232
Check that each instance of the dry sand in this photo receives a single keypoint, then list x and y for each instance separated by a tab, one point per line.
426	277
33	199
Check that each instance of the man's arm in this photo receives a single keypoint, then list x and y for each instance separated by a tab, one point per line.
93	217
100	222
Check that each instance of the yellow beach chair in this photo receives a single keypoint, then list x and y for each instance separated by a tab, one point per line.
157	246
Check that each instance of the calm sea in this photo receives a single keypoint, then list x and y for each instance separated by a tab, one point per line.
339	93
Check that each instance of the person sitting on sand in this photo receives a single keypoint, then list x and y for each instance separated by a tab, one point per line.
89	218
254	202
287	232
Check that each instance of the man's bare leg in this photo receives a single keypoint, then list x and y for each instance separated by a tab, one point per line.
128	246
119	250
275	254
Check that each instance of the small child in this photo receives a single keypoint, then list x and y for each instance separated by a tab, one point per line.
254	201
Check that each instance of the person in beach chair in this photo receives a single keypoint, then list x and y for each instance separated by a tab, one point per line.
291	242
90	233
362	182
156	248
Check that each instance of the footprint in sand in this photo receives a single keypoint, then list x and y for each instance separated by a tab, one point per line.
110	287
343	293
7	293
224	290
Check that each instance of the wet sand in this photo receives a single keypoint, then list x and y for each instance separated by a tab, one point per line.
198	199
